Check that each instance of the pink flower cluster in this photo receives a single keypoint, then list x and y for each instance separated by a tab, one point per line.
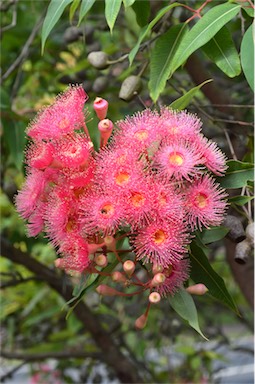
152	182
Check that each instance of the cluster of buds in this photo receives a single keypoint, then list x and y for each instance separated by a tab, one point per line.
151	182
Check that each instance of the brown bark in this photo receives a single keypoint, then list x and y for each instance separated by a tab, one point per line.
124	367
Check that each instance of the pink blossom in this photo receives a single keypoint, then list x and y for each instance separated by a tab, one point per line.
213	158
39	154
75	253
176	274
178	124
161	242
62	117
205	203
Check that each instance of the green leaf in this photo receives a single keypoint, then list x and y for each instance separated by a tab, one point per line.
54	12
184	100
246	6
161	57
213	234
147	28
15	138
240	200
222	51
237	175
247	56
75	4
184	305
202	272
203	31
85	7
142	10
128	3
112	8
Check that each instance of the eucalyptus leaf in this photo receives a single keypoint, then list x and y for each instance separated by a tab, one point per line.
161	57
183	303
222	51
128	3
240	200
54	12
203	31
213	234
247	56
237	175
202	272
85	7
142	10
112	8
75	4
184	100
147	28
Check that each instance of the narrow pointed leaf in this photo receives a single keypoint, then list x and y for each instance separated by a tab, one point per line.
240	200
146	29
203	31
54	12
247	56
222	51
237	175
213	234
142	11
161	57
128	3
184	305
202	272
75	4
184	100
112	8
85	7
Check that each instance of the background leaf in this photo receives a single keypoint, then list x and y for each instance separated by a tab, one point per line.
237	175
203	31
147	29
183	304
161	57
142	10
85	7
247	56
240	200
222	51
54	12
184	100
128	3
202	272
213	234
112	8
75	4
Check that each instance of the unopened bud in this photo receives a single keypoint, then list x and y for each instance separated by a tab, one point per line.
154	297
98	59
130	87
250	233
197	289
158	279
157	268
129	267
242	251
118	277
93	247
101	107
105	127
105	290
236	231
110	243
141	322
101	260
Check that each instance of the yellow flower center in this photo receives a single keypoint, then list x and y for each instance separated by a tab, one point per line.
201	200
137	199
122	178
176	159
141	135
107	210
63	123
159	236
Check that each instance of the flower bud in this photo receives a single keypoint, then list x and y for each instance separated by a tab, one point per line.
130	87
141	322
197	289
118	277
98	59
110	243
158	279
105	127
129	267
101	107
105	290
154	297
101	260
93	247
157	268
242	251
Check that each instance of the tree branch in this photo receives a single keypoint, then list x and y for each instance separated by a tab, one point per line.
72	354
124	367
